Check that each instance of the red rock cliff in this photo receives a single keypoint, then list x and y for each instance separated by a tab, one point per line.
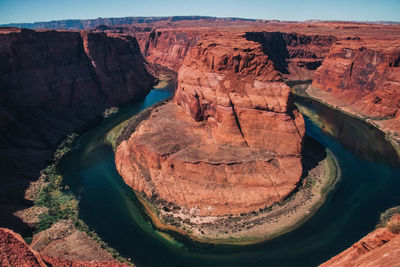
379	248
229	143
14	251
295	55
168	47
362	77
52	83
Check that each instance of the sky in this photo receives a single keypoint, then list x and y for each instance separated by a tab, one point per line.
16	11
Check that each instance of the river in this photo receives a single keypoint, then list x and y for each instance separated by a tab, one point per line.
370	184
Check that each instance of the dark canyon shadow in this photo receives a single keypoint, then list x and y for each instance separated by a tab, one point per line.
274	45
291	51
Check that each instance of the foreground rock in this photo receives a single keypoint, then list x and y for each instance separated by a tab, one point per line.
63	240
379	248
14	251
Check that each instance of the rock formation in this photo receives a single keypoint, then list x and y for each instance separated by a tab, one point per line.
84	24
362	77
379	248
295	55
52	83
167	47
14	251
229	143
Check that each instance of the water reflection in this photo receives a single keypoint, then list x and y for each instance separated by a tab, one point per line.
361	138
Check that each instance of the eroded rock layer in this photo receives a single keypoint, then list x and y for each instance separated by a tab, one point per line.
379	248
52	83
295	55
230	142
14	251
362	77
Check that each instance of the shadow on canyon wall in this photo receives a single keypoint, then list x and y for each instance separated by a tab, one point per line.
296	56
362	139
53	83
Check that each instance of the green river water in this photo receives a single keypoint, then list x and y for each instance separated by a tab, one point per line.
370	184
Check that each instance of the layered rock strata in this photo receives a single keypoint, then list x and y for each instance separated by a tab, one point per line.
379	248
362	77
295	55
52	83
229	143
14	251
167	47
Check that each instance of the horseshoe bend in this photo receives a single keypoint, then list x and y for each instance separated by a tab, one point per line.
217	160
231	158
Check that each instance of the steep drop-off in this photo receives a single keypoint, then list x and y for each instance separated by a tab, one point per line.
230	142
167	47
52	83
362	77
295	55
379	248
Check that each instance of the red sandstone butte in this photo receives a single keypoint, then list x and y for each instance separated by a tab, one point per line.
230	142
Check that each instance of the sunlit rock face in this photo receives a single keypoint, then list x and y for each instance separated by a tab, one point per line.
362	77
229	142
379	248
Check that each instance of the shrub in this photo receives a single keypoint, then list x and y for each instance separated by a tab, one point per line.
387	215
394	224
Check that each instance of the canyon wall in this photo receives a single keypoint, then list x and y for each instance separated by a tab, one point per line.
362	77
295	55
230	142
84	24
167	47
52	83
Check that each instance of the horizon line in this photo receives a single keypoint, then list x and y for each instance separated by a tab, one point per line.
206	16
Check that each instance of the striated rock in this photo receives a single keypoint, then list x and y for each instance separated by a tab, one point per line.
55	82
295	55
14	251
379	248
229	143
63	241
167	47
362	77
81	24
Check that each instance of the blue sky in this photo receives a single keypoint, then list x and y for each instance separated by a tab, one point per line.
12	11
